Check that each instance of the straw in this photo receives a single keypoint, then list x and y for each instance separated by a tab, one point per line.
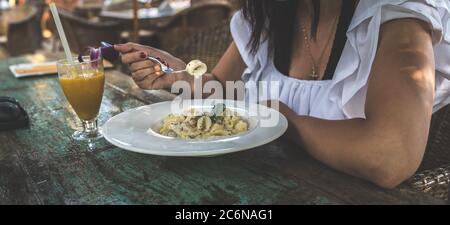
61	33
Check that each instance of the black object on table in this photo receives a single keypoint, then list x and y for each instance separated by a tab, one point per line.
12	115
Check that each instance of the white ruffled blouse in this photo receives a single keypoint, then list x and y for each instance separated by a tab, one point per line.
344	96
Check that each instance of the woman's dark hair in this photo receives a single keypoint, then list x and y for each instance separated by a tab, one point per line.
272	20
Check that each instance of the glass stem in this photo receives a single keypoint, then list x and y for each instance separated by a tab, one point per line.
90	127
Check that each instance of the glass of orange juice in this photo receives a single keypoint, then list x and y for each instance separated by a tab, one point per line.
83	84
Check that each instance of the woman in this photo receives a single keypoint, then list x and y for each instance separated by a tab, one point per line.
359	80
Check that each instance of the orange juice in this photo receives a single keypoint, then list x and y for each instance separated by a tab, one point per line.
84	94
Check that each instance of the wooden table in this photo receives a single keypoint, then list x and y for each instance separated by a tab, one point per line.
43	165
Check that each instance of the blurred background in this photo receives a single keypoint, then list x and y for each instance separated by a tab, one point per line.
182	27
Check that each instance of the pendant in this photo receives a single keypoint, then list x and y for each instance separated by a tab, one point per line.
314	75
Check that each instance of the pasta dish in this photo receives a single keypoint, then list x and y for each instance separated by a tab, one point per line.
196	125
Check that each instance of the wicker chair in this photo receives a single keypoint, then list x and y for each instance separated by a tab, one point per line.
191	20
82	33
207	45
433	176
24	36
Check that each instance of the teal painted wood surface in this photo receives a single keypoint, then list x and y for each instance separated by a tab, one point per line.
44	165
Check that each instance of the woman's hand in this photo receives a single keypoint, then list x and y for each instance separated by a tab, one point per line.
146	73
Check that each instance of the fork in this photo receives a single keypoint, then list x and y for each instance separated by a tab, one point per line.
164	68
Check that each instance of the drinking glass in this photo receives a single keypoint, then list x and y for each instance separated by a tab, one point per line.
83	85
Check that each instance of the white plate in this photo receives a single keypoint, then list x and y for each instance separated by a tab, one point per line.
130	130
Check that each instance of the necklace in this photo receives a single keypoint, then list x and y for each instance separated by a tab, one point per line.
314	70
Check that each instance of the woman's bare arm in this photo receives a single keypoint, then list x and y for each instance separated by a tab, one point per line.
229	68
386	147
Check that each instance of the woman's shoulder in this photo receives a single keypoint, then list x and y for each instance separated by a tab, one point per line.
239	24
241	31
368	8
352	73
377	3
434	12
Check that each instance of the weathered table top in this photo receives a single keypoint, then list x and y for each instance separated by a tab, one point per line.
43	165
